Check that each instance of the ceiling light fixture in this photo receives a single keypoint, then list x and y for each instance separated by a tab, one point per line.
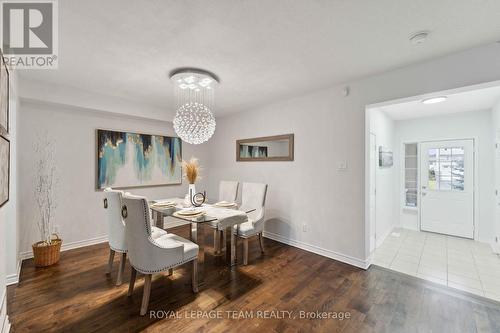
419	37
434	100
194	121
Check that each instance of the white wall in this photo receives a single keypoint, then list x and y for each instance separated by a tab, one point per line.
3	265
476	125
8	213
383	127
79	214
330	128
12	241
308	190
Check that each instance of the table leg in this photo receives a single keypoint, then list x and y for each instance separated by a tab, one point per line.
197	237
158	217
222	240
217	249
230	246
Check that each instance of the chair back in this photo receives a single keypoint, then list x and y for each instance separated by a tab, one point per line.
116	226
253	196
145	254
228	191
135	211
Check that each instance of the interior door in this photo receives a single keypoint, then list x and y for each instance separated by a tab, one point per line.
497	184
447	187
373	193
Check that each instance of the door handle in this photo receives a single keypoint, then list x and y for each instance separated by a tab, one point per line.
423	193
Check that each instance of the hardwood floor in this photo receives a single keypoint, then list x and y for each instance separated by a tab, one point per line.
76	296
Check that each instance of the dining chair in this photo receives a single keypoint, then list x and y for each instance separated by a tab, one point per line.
228	191
148	255
116	230
253	196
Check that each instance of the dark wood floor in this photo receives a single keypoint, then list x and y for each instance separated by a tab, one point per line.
76	296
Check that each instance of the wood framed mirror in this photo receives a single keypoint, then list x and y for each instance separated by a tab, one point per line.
268	148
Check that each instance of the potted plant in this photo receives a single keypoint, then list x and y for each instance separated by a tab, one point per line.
191	170
46	252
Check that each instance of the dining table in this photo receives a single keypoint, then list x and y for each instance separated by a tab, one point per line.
197	236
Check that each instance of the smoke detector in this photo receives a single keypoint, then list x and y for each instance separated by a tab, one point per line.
419	37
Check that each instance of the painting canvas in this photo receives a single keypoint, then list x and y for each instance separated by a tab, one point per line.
127	159
4	96
385	157
252	151
4	170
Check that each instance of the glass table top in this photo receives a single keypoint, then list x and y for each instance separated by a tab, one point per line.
175	207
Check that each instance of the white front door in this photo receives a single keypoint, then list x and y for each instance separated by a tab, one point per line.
373	196
447	187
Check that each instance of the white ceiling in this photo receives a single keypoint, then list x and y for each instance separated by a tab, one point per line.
262	50
474	100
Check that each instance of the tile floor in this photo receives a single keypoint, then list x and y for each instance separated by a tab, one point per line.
456	262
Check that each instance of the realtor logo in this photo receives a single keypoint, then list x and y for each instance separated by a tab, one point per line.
29	34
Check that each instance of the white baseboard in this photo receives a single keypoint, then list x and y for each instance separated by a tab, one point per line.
382	237
14	278
70	246
318	250
4	318
6	325
495	247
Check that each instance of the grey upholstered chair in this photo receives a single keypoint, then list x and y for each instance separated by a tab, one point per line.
253	196
148	255
116	230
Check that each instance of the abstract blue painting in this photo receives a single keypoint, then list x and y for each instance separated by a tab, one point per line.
126	159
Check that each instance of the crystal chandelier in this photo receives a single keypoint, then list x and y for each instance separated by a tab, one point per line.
194	121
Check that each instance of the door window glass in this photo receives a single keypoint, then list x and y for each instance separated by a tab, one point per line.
433	169
457	169
446	169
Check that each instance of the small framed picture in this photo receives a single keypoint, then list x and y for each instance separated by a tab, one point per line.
385	158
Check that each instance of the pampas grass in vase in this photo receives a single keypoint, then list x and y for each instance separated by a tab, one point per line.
191	170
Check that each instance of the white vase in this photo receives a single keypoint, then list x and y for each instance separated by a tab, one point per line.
191	193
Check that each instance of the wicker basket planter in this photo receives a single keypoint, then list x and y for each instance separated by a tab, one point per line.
47	254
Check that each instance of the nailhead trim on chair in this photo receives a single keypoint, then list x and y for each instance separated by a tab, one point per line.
118	250
146	271
148	227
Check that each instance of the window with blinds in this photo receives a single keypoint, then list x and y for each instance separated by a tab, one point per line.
411	174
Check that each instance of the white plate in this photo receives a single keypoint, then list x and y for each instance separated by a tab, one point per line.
189	216
163	204
189	212
225	204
